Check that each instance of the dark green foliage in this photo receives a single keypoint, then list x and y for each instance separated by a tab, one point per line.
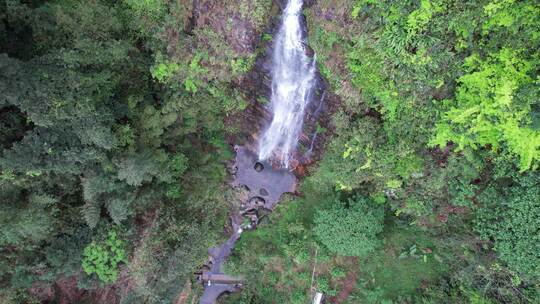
138	168
350	228
64	253
510	217
412	258
90	140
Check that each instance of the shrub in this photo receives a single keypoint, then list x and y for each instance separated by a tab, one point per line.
511	218
351	228
103	258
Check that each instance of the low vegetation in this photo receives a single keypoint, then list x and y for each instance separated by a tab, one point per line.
438	131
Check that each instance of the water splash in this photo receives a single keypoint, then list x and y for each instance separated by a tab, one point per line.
293	80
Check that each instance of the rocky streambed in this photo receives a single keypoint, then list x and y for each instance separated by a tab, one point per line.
265	185
280	136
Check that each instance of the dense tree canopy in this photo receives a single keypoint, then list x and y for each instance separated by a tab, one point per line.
93	141
117	120
350	229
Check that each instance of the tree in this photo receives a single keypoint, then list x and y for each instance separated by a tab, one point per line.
493	107
510	217
350	228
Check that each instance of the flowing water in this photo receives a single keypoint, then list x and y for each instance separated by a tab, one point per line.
293	82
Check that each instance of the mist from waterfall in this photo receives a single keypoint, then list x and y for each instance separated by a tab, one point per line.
293	80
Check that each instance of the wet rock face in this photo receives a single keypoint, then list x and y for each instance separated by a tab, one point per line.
235	20
258	115
244	27
265	183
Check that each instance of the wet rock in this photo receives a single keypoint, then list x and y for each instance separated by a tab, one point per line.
259	167
225	18
275	181
309	51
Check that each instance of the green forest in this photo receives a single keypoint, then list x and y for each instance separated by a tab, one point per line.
118	120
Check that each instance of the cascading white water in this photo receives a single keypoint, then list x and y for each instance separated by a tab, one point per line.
293	79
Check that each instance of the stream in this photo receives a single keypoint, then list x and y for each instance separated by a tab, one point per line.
265	172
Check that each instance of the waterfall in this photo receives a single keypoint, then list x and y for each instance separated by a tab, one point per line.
293	79
293	82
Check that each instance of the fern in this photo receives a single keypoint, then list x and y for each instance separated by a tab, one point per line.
90	212
119	210
487	109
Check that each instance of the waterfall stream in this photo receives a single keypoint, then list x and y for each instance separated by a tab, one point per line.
293	80
293	83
